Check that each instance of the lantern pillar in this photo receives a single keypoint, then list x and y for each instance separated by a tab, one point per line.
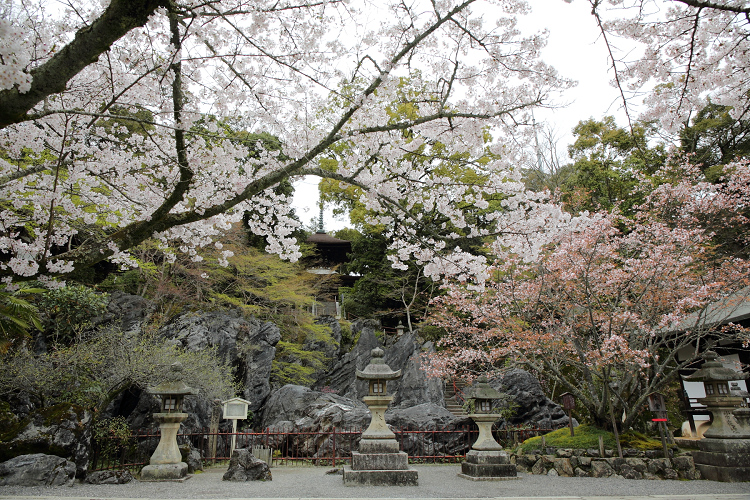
724	452
379	461
486	461
166	462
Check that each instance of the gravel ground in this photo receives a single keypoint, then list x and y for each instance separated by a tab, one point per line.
435	481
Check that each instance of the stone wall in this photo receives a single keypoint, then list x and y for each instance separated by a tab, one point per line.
587	463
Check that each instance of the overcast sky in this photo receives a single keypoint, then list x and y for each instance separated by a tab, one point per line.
577	52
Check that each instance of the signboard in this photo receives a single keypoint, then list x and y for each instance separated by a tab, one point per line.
568	401
656	402
235	409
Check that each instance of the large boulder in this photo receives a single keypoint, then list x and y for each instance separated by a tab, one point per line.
313	416
244	466
341	379
37	469
126	312
310	410
426	417
534	408
62	430
248	344
413	388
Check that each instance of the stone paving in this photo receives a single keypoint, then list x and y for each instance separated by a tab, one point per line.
435	482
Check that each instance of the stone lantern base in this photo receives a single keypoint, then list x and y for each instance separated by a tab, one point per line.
165	472
379	463
380	469
726	460
488	466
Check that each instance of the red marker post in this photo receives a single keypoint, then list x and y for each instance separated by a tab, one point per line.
569	402
656	405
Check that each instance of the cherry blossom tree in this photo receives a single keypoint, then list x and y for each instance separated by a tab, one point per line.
689	52
611	300
80	187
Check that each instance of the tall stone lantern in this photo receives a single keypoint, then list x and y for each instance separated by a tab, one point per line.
486	460
379	461
166	463
724	451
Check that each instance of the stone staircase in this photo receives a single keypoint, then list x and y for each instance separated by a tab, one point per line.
453	401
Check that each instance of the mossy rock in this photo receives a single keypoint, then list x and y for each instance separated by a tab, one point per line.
587	436
639	441
10	424
61	430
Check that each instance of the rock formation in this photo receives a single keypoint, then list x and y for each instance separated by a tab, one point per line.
37	469
61	430
534	407
244	466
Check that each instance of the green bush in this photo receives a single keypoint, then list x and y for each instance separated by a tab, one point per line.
112	436
69	311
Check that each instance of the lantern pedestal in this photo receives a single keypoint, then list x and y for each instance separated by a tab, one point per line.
379	461
724	451
487	461
166	463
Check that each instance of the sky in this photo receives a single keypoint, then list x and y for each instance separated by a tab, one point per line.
574	48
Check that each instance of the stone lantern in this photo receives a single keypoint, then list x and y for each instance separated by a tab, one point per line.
486	460
166	463
724	451
400	329
379	461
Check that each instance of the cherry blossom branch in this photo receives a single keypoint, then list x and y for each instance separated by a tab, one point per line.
595	12
119	18
699	4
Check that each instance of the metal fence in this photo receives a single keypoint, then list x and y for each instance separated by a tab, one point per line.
325	447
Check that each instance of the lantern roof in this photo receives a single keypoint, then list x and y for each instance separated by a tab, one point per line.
483	390
714	371
174	385
377	369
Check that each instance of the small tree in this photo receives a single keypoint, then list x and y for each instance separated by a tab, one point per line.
611	300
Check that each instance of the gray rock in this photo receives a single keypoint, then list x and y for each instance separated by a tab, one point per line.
629	472
415	387
244	466
563	467
250	345
63	430
37	469
637	464
109	477
192	457
312	410
125	312
428	416
423	416
659	465
581	473
539	468
600	468
533	406
341	379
